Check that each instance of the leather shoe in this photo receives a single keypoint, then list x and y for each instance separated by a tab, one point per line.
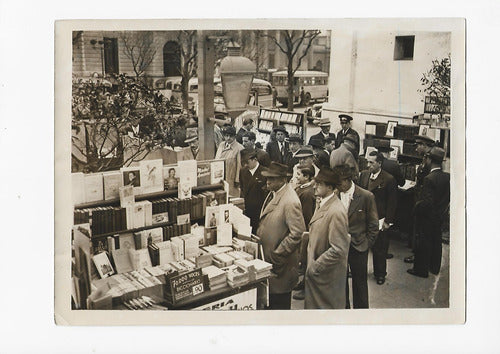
300	285
299	295
389	256
409	259
413	272
380	280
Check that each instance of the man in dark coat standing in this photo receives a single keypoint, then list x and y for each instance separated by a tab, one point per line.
390	166
363	228
249	145
324	124
278	149
383	186
328	247
280	230
247	127
295	143
430	211
345	123
252	186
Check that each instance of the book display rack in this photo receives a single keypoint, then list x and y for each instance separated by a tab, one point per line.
170	249
293	122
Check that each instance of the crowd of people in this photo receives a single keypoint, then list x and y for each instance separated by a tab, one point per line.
318	216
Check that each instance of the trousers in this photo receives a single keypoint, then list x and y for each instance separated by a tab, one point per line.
380	249
358	263
280	301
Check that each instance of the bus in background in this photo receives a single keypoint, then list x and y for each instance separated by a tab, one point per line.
312	84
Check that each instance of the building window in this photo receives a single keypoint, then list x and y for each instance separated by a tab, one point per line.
171	59
403	47
110	55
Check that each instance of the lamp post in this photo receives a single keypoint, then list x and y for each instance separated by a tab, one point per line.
236	75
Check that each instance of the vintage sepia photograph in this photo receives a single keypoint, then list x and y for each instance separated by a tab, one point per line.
330	195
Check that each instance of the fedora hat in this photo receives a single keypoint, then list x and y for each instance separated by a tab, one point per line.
248	154
326	175
423	139
436	154
276	170
324	122
296	137
345	118
280	128
351	138
383	149
317	142
304	152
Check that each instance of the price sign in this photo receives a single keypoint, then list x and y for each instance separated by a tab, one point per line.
187	285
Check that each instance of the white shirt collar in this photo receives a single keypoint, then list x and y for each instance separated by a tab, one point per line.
375	175
305	185
346	197
349	192
435	168
325	199
252	171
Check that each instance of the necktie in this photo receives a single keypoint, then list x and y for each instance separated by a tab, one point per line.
269	197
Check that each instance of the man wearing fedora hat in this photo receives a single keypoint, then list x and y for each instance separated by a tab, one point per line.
324	124
430	210
252	186
424	144
328	248
343	156
278	149
280	230
322	158
294	143
229	150
363	228
305	156
194	146
345	123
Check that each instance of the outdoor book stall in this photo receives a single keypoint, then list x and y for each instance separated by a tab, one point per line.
155	237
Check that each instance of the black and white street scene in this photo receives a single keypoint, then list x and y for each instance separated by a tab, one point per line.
264	169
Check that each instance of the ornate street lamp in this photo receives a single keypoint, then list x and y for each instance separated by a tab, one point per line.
236	74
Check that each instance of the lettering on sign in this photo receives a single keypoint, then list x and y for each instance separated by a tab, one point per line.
243	301
187	285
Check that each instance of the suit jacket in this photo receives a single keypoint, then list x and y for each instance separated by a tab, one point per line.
363	219
435	196
280	229
320	136
232	159
327	252
290	160
239	135
263	157
322	159
343	156
273	150
385	190
392	167
307	200
254	194
341	136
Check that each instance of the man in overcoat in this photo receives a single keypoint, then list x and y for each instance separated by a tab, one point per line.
229	150
343	156
280	230
253	186
431	209
328	247
363	228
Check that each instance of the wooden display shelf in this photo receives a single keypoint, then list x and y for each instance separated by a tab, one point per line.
165	193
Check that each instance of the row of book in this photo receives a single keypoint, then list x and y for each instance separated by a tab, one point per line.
111	219
149	177
194	206
280	116
400	131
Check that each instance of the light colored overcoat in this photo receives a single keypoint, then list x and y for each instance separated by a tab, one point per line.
327	252
232	157
280	229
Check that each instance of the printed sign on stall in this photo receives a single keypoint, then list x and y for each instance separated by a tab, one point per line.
246	300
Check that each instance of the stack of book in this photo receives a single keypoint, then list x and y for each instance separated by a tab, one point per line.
216	277
257	268
222	260
240	255
236	275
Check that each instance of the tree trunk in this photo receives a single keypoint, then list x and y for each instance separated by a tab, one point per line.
184	90
290	85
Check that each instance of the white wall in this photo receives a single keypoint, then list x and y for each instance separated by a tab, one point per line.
367	83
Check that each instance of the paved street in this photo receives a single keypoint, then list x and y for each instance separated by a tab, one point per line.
402	290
